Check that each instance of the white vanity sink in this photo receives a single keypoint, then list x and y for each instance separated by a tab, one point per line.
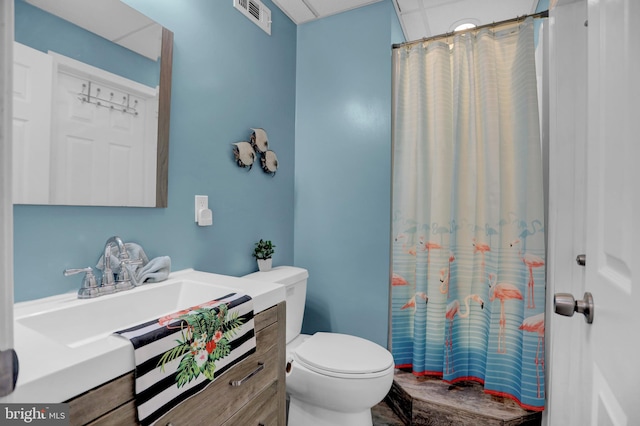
79	322
66	345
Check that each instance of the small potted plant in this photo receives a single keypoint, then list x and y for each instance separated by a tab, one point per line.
263	253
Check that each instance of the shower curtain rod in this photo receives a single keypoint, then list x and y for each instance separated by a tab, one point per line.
543	14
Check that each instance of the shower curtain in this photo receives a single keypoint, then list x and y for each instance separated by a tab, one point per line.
468	283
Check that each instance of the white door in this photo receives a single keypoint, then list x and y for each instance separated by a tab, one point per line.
99	152
32	80
594	372
104	137
613	206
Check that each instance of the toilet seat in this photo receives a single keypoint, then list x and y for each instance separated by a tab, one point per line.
343	356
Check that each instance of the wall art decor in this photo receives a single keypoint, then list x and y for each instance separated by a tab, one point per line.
244	154
269	162
259	140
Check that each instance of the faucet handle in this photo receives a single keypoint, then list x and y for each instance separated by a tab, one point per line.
126	278
124	268
89	284
89	278
74	271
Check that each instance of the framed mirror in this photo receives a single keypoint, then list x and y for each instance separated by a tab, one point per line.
92	95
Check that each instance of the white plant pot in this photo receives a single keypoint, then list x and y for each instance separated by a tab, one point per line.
264	265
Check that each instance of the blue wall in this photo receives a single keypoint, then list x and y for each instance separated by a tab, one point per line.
333	77
228	76
343	169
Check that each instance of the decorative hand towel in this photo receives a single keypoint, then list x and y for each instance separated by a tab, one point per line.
156	270
179	355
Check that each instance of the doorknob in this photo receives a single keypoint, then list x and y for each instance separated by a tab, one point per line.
565	304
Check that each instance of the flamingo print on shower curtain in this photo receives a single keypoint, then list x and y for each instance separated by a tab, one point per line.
468	212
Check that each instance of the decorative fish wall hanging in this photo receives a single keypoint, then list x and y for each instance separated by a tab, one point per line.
269	162
259	140
244	154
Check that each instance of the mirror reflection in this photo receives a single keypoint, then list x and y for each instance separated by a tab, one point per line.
91	104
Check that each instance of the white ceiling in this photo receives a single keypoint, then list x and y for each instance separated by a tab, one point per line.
112	20
419	18
301	11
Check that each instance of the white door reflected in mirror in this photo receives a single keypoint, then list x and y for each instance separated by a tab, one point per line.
100	145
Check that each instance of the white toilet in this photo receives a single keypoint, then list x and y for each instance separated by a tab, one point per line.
334	379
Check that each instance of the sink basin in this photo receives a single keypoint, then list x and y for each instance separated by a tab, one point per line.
81	323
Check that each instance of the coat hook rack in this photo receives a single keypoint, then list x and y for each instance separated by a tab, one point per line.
126	106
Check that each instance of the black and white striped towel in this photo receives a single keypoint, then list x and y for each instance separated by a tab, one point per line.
179	355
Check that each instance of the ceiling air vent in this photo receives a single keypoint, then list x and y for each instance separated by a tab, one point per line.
257	13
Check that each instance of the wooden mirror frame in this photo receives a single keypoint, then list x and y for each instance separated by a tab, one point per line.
164	114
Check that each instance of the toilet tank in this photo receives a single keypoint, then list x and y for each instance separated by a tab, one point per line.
295	280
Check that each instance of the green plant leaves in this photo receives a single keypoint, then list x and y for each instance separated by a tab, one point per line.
263	249
207	337
172	354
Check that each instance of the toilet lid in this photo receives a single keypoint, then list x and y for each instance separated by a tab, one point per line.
338	355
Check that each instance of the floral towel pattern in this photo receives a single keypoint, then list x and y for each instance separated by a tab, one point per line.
179	355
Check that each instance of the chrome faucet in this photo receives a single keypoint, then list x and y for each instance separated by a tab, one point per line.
125	279
108	278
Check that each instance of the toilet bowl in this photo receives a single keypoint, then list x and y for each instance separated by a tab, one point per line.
335	379
332	379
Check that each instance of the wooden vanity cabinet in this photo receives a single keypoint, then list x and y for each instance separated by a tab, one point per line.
259	400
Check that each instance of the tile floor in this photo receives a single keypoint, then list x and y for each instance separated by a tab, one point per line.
430	401
384	416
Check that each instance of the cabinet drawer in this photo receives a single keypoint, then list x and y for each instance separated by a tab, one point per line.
98	401
261	411
125	415
220	400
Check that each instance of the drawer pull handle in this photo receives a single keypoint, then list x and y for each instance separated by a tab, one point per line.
250	375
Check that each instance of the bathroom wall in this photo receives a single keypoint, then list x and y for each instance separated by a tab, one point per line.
228	76
343	169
